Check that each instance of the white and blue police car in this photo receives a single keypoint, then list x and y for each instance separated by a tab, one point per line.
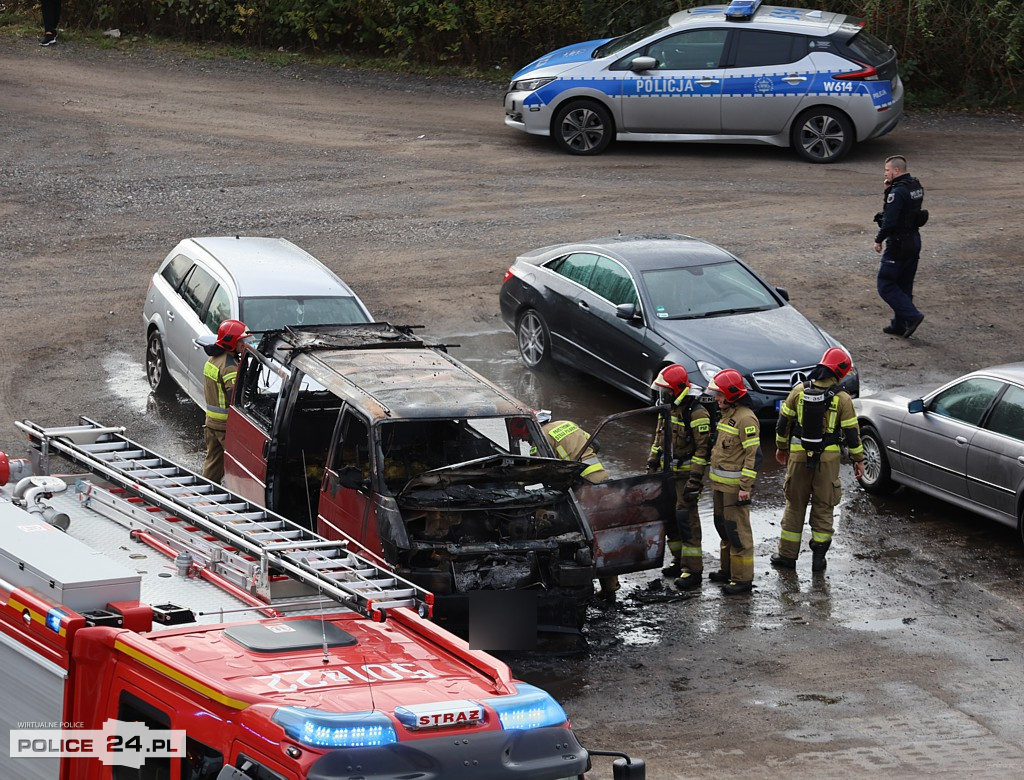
742	73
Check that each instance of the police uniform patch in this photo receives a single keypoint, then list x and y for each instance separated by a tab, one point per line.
889	198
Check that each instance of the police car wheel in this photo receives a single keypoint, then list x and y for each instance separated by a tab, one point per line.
583	127
534	339
877	477
822	135
156	365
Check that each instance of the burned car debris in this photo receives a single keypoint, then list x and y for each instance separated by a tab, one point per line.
371	434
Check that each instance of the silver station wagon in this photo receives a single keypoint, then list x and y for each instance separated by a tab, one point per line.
267	283
743	73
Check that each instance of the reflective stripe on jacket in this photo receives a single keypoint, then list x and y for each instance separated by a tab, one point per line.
219	376
569	440
737	452
841	411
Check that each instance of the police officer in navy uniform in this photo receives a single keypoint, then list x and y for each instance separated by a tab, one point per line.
898	224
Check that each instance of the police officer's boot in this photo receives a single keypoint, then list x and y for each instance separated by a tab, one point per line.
818	550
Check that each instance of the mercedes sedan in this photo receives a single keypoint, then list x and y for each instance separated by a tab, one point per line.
962	442
622	308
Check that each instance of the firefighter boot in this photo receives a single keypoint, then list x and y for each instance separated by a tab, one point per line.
719	577
688	580
673	570
783	561
818	550
735	587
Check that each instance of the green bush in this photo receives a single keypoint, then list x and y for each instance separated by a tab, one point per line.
969	51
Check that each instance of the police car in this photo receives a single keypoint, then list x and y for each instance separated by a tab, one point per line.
742	73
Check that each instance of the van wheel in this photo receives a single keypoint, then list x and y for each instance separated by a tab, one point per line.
583	127
156	365
822	135
877	477
534	339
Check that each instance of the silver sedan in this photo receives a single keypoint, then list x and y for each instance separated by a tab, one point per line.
962	442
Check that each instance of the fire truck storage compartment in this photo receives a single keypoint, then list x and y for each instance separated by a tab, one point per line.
60	568
33	689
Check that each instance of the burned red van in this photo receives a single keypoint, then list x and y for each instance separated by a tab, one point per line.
371	434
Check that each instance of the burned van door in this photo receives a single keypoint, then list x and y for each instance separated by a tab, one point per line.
628	517
250	443
347	501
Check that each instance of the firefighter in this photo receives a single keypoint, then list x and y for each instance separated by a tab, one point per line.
735	459
815	421
569	440
691	444
218	385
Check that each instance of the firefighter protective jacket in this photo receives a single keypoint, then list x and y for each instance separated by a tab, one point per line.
737	452
691	438
840	424
219	376
569	440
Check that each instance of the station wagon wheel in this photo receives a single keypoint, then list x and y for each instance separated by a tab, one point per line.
534	339
156	365
583	127
822	135
877	477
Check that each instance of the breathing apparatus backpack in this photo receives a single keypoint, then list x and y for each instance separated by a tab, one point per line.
816	403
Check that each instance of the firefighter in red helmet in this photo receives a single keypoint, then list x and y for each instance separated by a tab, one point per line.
691	442
816	420
735	460
219	375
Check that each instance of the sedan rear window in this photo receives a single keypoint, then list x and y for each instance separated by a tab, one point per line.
260	314
1008	416
706	291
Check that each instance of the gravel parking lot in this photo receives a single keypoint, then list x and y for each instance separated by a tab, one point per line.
905	658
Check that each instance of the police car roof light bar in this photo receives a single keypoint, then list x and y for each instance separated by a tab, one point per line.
741	9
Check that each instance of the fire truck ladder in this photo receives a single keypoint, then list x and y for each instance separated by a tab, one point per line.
270	557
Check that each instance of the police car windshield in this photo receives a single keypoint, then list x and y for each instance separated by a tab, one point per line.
623	42
714	290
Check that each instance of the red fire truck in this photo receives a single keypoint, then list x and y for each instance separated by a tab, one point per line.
155	626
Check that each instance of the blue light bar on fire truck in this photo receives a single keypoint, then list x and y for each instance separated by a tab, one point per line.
336	729
531	708
741	9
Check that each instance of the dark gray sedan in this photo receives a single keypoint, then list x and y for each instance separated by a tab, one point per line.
623	308
962	442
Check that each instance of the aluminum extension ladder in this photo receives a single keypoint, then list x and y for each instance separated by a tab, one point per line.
272	558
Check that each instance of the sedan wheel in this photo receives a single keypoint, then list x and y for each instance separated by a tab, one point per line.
534	339
877	474
822	135
156	365
583	127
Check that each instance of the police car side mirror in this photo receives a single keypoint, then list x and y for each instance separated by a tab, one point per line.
916	406
627	311
783	292
643	63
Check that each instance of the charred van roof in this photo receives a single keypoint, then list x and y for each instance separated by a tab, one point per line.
389	372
